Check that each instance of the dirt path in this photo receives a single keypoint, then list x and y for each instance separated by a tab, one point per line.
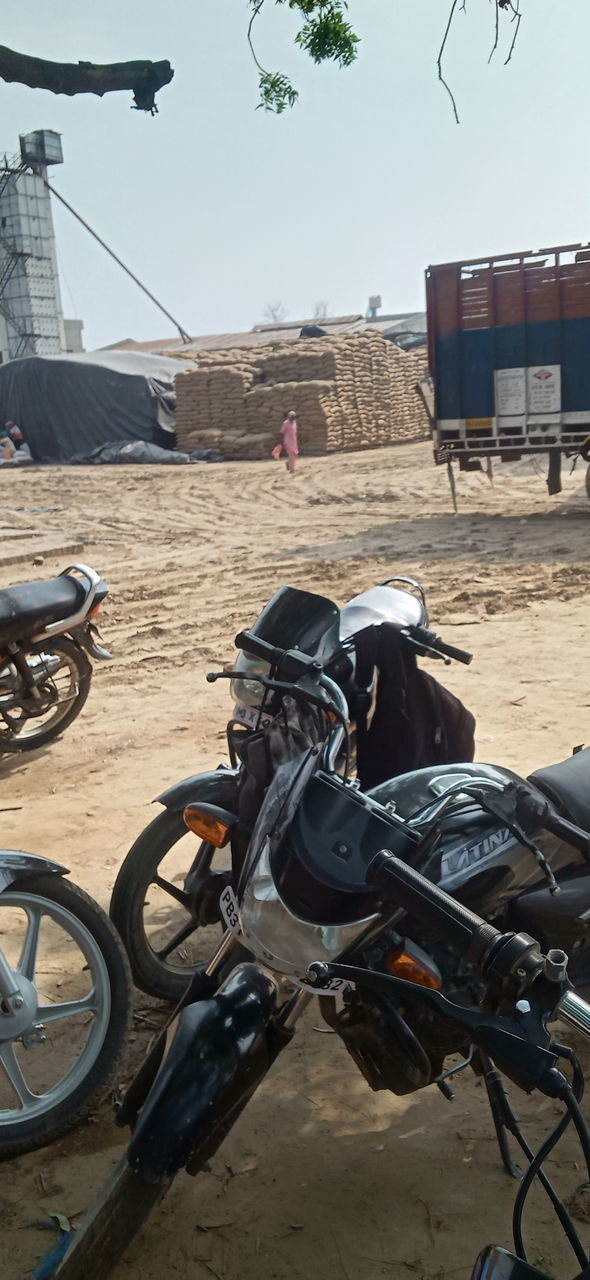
321	1177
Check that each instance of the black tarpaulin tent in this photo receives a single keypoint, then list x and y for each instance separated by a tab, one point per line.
69	405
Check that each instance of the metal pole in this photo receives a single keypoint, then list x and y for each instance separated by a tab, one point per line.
183	334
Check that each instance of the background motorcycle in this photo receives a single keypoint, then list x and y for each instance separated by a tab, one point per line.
65	1001
165	902
308	909
46	633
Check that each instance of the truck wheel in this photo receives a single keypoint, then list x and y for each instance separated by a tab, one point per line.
588	482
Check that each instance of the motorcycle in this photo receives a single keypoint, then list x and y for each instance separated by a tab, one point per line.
165	902
46	632
65	1001
331	896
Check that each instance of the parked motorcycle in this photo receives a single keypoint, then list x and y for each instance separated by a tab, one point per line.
65	1000
328	902
46	632
165	902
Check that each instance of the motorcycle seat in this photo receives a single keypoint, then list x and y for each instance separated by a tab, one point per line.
29	607
567	786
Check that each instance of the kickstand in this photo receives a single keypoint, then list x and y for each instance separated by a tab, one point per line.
505	1121
453	487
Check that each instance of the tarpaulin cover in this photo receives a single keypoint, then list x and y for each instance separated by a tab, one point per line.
72	404
141	451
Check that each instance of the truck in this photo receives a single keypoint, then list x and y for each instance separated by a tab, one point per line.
509	358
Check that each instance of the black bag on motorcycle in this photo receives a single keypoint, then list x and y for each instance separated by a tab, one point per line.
416	722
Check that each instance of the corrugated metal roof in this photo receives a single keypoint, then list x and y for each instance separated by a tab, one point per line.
256	337
263	334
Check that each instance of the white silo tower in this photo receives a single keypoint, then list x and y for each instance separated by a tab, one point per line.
31	316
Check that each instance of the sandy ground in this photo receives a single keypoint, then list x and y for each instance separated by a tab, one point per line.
320	1177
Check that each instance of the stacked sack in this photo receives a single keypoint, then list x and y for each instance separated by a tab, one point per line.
353	391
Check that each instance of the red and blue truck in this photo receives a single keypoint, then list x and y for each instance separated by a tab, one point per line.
509	355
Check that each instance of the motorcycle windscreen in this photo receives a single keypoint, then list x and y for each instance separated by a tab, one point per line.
498	1264
295	619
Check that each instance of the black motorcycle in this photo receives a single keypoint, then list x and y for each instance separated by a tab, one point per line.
46	633
165	902
166	898
335	898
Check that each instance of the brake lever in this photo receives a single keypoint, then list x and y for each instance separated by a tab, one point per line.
520	1045
296	689
424	650
504	805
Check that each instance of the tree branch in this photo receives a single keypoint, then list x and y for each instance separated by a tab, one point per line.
142	78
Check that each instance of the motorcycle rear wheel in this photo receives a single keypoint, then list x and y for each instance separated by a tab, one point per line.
37	731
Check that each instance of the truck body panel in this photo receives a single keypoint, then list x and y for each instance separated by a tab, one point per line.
509	352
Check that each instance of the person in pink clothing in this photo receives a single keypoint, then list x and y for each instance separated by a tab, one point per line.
289	434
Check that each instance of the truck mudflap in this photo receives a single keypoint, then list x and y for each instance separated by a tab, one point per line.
217	1052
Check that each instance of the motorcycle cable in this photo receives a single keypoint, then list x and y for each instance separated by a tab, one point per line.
573	1113
486	801
503	1107
320	972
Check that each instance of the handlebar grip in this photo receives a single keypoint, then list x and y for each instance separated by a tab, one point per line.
432	906
567	831
450	651
259	648
434	644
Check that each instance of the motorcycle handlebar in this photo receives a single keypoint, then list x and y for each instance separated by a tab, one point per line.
573	1009
432	906
433	644
258	648
568	832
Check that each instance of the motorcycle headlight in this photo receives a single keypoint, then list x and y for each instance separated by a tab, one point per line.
276	935
244	689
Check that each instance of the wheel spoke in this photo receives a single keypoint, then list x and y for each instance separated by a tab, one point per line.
52	1012
176	940
11	1065
178	894
28	956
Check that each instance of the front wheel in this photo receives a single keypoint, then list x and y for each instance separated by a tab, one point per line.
63	685
165	905
60	1053
113	1222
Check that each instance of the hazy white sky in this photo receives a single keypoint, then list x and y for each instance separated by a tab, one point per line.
221	208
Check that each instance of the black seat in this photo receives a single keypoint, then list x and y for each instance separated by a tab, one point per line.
567	785
29	607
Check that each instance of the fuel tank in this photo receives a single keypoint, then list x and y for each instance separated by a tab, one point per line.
481	863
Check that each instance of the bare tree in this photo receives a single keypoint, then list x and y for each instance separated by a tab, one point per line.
275	312
320	309
142	78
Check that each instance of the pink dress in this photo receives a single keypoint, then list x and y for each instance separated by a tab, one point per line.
289	434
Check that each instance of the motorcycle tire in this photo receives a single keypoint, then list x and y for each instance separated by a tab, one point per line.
20	1135
150	973
110	1226
76	660
123	1206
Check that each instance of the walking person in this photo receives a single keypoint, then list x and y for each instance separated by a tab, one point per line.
290	445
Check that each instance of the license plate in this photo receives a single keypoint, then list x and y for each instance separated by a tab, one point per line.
251	717
228	905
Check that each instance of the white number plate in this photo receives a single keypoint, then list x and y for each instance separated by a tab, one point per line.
228	905
335	987
251	717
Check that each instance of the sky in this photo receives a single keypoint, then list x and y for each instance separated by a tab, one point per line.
221	208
